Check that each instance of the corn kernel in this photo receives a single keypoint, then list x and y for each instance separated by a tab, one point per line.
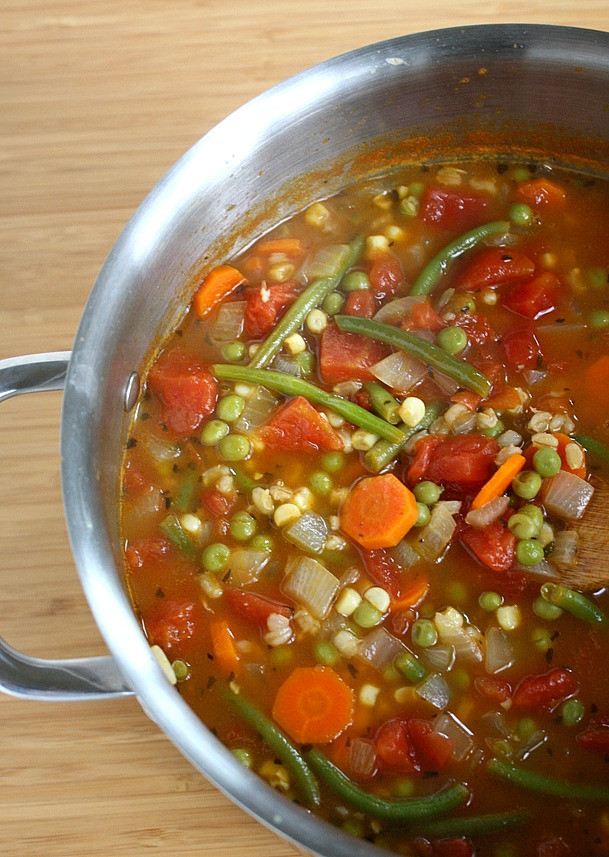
346	642
394	233
368	695
163	662
295	344
383	200
303	498
348	601
191	524
508	616
335	420
252	349
276	775
317	215
412	411
489	297
243	390
376	244
402	191
378	597
280	272
546	536
210	585
450	176
405	695
285	514
548	260
363	440
316	321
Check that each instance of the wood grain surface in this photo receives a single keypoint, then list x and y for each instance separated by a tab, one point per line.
97	99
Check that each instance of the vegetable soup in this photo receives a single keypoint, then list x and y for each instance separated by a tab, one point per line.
360	496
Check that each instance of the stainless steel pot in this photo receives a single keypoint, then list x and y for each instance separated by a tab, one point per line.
533	91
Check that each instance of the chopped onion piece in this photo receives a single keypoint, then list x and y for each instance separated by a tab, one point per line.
282	363
435	691
567	495
399	371
542	569
145	505
246	564
440	656
488	513
499	652
160	448
229	322
362	757
405	555
453	507
380	647
464	424
532	376
399	309
446	384
566	549
309	583
449	725
327	261
258	408
309	532
433	538
536	740
496	723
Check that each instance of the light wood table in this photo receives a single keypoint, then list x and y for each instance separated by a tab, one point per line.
97	99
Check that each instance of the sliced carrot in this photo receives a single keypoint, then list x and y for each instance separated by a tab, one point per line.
468	398
596	377
412	591
313	705
291	247
500	480
217	285
505	399
225	654
379	511
542	191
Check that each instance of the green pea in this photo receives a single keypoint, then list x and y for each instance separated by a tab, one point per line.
325	653
529	552
597	278
526	727
244	756
409	206
355	281
546	462
390	674
242	526
520	213
523	526
234	447
403	788
502	747
456	592
572	712
354	827
452	339
333	303
262	543
233	352
409	666
544	610
320	482
181	670
213	432
424	633
367	616
521	174
460	679
427	492
230	407
541	639
215	557
599	319
332	462
490	601
526	484
424	515
416	189
534	513
306	361
281	655
494	431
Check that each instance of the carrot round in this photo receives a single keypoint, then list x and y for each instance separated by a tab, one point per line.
291	247
500	480
216	286
379	511
542	191
224	652
313	705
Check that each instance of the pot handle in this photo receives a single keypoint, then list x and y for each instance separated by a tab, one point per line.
38	678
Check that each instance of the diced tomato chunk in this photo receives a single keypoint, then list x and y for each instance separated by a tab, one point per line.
596	740
348	356
361	303
171	624
554	847
148	553
535	297
385	276
383	570
522	350
506	398
464	459
264	306
424	317
451	209
216	503
299	427
477	327
495	266
393	746
433	750
538	691
187	390
494	545
542	192
493	688
255	608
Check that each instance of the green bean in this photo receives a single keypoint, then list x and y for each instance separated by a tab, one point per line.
383	452
434	269
291	386
456	368
394	811
280	745
294	317
244	481
574	603
172	528
547	785
410	667
383	402
184	499
596	449
475	825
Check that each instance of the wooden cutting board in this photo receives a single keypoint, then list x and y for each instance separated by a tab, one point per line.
97	99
